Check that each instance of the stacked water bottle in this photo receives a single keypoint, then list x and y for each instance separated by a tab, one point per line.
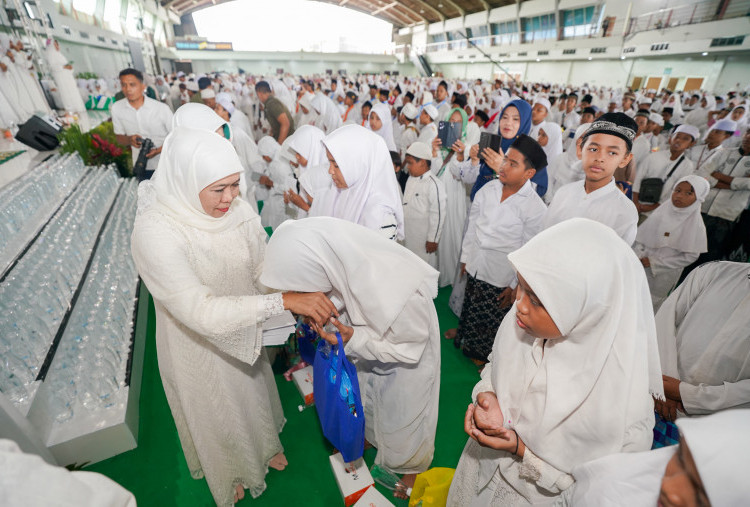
27	203
90	364
37	292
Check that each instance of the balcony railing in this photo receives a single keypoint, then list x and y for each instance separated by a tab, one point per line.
701	12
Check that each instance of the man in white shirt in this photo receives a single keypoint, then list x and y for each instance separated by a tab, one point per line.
429	128
667	166
424	205
409	132
539	111
604	148
719	132
729	176
442	104
137	117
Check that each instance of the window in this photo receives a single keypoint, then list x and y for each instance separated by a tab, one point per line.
504	33
85	6
112	15
439	37
458	41
479	35
539	28
569	51
578	22
728	41
598	50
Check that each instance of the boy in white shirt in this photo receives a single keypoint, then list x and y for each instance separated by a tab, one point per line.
424	205
427	119
605	147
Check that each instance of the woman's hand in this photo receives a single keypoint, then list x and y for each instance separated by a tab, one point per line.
506	297
459	147
488	417
436	144
646	263
668	408
463	268
296	199
265	180
474	154
346	332
310	304
493	159
672	388
506	440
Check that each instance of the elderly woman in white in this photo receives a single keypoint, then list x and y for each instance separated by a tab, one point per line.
198	249
572	374
364	190
388	324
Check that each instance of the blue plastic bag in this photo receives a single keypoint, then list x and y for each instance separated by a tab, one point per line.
307	340
338	401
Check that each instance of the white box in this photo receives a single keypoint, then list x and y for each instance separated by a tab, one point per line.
303	379
353	478
373	498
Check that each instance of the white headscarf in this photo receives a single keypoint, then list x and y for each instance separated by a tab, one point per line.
373	192
601	376
386	130
197	116
268	147
554	139
190	161
307	140
374	276
330	119
681	229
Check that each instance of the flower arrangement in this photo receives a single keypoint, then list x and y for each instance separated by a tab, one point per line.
98	146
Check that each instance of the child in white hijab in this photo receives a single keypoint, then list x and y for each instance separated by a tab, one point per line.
672	237
380	117
365	190
388	323
708	467
572	373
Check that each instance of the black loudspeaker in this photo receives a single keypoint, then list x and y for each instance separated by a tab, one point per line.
38	134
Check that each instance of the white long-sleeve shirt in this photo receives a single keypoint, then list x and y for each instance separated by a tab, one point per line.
727	203
659	165
424	214
703	329
497	228
428	133
607	205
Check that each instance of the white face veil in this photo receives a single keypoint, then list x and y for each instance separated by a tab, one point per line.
190	161
601	376
373	192
374	276
386	130
681	229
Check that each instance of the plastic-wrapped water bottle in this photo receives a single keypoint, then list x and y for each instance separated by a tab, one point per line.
386	478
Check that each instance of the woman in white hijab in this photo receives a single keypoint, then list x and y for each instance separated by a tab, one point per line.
307	144
566	167
365	190
388	324
328	118
672	237
572	373
708	467
198	249
380	117
202	117
306	115
550	139
62	73
10	82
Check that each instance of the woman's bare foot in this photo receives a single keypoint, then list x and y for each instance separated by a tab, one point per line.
239	493
278	462
408	481
450	334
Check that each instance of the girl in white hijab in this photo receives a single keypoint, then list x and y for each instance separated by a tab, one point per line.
388	324
708	467
672	237
306	115
382	119
62	73
329	118
572	373
550	139
198	249
307	144
202	117
275	173
365	190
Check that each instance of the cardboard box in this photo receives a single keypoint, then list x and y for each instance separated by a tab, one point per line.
303	379
373	498
353	478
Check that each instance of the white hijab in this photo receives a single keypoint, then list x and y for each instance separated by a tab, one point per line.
554	139
307	140
268	147
373	192
718	444
329	115
386	130
681	229
374	276
600	378
197	116
190	161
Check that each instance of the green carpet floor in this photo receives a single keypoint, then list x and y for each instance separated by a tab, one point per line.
157	474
